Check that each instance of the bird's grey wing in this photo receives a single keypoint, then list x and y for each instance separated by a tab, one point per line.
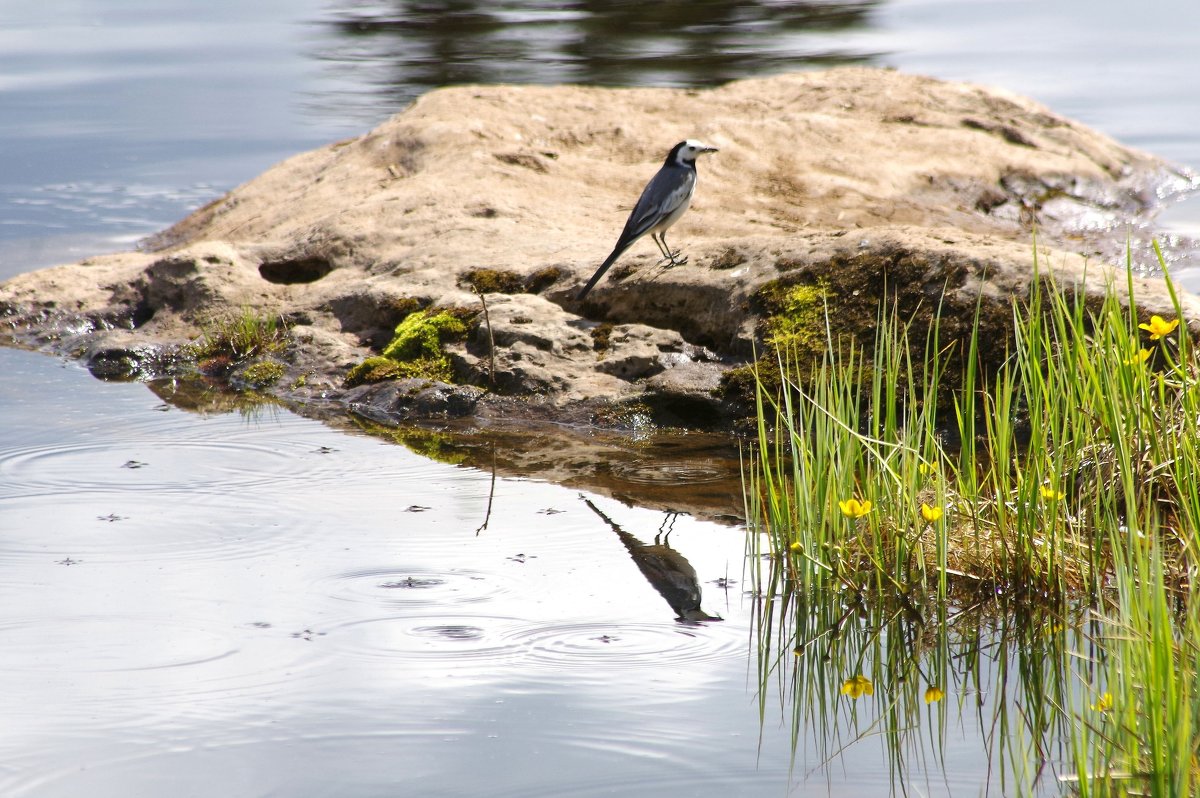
662	195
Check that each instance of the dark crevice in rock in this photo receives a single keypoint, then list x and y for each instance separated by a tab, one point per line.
142	313
690	412
292	272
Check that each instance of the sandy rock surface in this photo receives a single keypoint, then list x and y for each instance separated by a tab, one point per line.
856	176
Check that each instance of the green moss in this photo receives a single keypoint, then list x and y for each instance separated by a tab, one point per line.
263	373
542	279
494	281
421	334
793	325
601	334
416	348
400	308
795	317
373	369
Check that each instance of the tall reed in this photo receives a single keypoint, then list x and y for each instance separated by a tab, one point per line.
904	469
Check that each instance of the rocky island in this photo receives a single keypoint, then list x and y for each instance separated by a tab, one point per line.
428	268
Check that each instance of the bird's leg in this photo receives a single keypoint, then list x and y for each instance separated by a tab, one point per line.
674	257
666	253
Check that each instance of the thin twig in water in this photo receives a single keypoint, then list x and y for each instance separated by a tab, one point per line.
487	516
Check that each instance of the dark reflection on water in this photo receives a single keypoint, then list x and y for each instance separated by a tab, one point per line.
670	471
665	569
398	50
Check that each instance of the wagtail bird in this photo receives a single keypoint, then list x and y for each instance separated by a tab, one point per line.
663	201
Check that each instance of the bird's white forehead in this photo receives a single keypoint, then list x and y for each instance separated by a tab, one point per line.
696	145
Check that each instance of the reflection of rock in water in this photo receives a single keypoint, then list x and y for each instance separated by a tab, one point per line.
665	569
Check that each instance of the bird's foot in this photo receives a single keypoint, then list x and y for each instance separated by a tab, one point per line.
676	258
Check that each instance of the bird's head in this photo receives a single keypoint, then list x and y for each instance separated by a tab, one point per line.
684	153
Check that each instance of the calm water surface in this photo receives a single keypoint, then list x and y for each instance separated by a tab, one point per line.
253	603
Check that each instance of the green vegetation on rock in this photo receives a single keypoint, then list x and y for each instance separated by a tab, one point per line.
263	373
240	338
793	326
416	348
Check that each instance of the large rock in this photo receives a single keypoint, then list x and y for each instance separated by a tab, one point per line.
859	177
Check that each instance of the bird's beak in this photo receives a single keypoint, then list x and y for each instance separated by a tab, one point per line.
709	148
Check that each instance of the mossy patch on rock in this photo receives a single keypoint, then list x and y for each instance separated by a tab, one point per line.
505	281
373	369
421	335
848	296
794	317
542	279
601	334
792	326
416	349
494	281
262	374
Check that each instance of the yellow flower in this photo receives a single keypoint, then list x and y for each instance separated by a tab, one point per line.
1158	327
930	514
928	469
796	546
1048	492
1140	357
858	685
933	694
853	508
1103	703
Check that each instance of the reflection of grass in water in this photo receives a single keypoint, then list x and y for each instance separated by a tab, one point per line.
442	447
1077	479
928	667
205	396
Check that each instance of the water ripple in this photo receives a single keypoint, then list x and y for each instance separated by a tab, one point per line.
490	641
665	473
628	645
162	466
416	587
113	644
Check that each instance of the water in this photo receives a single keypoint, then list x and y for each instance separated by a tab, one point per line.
256	604
245	602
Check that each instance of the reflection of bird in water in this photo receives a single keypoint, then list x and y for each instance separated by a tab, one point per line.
665	569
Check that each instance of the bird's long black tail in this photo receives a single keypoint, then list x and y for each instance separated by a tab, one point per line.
616	253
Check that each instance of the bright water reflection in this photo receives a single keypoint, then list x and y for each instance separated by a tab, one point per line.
252	603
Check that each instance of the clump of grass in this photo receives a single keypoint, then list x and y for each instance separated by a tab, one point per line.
1084	429
241	338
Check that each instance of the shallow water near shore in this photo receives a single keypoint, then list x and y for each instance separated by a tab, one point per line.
252	603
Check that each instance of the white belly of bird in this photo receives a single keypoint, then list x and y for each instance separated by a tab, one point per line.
680	199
